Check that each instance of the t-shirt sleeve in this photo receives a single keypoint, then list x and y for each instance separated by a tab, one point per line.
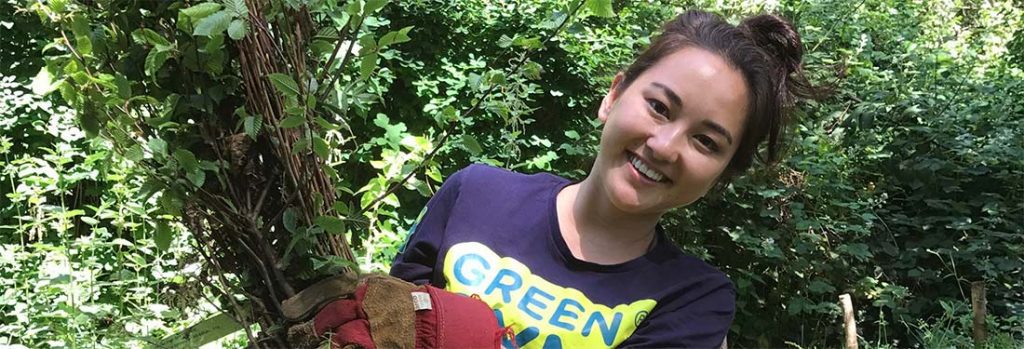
419	254
700	323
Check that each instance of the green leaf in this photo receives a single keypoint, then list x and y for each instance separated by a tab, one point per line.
321	148
293	121
532	42
367	65
201	10
532	70
197	177
554	21
504	41
237	8
158	146
600	8
326	125
300	146
82	32
403	35
367	45
341	207
214	44
353	8
284	84
374	6
171	202
154	61
135	153
818	286
295	111
213	24
89	122
163	235
148	36
43	83
333	225
395	37
290	218
252	126
237	29
187	160
470	143
124	87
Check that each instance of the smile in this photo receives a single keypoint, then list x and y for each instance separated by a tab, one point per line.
644	170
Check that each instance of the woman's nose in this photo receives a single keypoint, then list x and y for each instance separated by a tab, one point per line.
665	143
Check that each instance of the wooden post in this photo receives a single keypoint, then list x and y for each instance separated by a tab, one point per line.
978	303
849	322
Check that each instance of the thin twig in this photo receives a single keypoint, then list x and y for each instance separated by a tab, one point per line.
275	301
263	196
337	47
344	61
219	271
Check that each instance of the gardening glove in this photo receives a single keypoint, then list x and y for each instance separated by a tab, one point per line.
384	312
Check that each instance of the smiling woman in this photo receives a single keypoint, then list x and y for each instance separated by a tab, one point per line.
568	264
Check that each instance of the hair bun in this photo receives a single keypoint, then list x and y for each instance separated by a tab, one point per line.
781	43
777	37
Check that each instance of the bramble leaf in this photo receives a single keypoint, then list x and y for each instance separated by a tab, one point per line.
284	84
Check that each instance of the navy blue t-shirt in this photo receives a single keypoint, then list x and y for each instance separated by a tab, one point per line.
495	233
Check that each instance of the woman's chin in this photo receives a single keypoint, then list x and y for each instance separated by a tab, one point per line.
627	199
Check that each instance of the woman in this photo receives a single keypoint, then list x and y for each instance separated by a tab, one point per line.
584	265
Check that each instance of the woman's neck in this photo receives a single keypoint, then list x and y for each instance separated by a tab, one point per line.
596	231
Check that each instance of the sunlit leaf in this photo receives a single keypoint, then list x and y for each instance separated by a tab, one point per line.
237	29
600	8
201	10
374	6
213	24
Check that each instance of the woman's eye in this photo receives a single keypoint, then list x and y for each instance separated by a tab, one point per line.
658	107
708	143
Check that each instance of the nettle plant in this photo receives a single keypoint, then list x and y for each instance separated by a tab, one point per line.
258	126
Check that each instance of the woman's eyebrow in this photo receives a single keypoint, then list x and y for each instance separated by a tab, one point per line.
714	126
672	96
678	103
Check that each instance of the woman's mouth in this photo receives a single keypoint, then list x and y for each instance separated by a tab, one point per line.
644	170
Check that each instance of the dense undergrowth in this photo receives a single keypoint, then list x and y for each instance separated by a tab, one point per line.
901	188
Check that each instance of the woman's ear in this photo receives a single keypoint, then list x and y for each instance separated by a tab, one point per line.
610	98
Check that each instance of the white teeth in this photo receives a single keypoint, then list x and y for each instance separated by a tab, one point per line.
646	171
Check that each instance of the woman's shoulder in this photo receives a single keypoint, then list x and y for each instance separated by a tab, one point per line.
669	256
496	178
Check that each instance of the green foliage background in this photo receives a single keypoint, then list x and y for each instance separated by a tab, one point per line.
901	188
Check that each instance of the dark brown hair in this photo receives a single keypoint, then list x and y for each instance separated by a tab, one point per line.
766	50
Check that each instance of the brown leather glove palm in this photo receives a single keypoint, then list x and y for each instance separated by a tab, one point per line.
378	311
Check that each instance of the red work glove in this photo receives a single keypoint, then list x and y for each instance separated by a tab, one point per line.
384	312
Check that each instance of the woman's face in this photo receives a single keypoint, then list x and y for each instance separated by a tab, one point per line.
669	135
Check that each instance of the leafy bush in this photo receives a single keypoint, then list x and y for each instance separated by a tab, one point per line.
900	189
